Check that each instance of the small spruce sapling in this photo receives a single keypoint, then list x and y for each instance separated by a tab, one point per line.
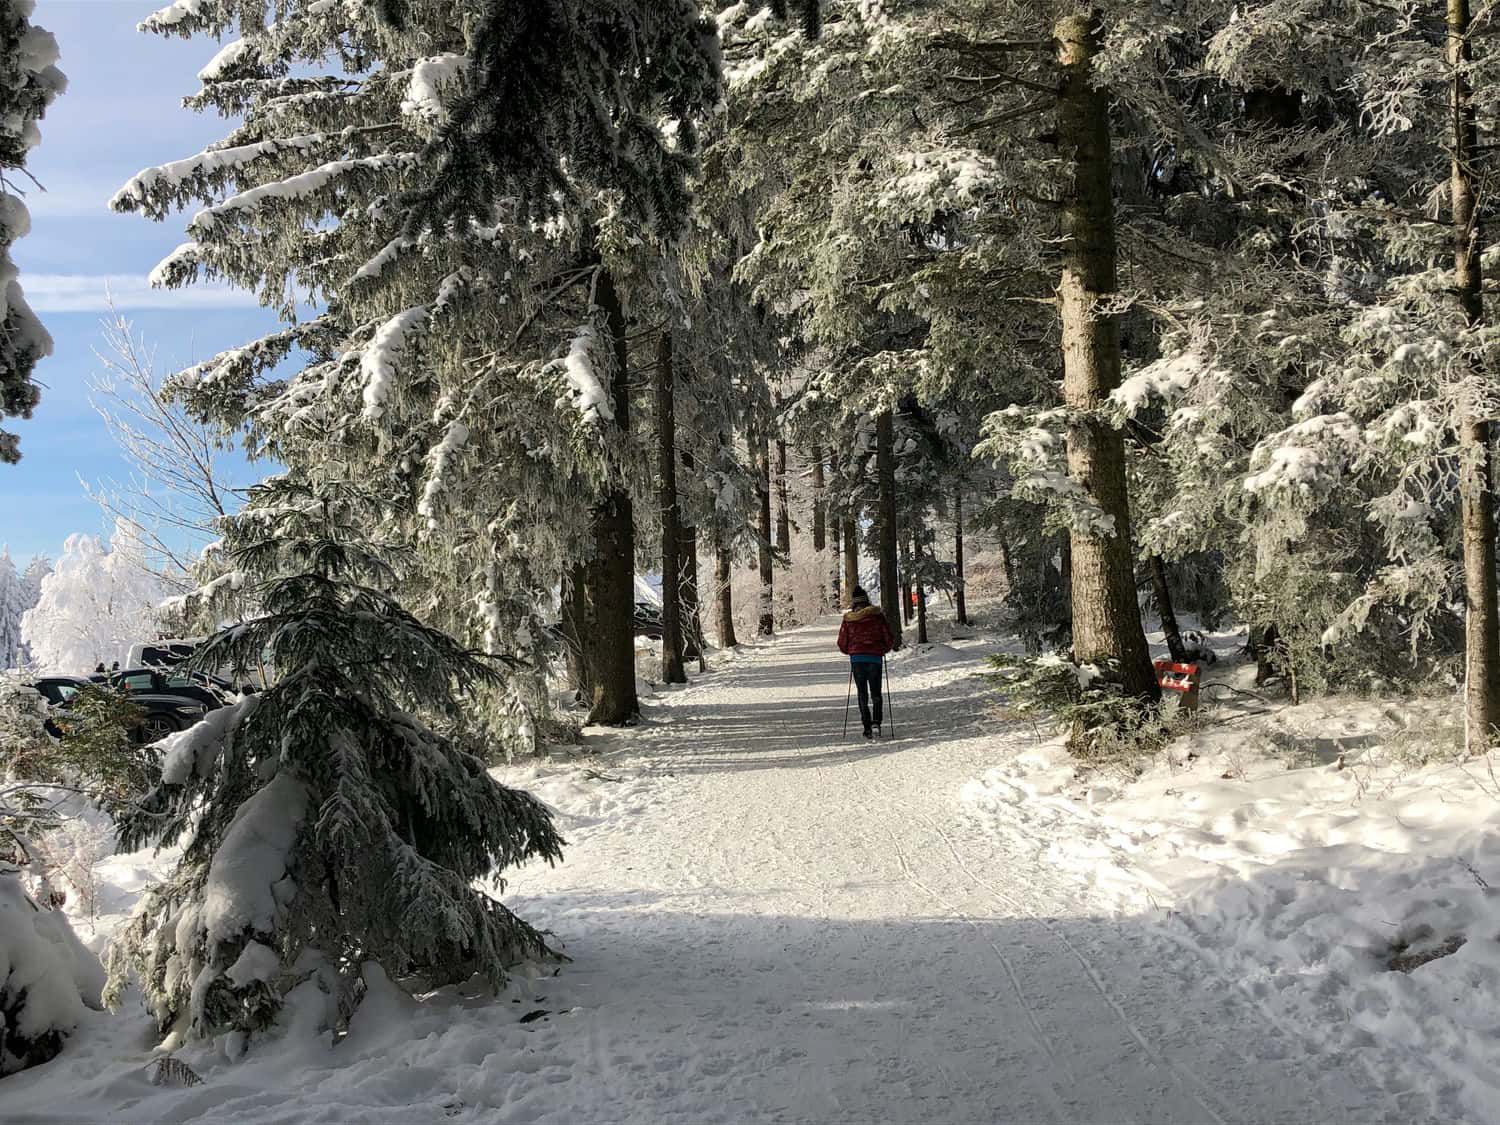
328	821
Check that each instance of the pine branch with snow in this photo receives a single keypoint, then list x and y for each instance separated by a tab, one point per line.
31	81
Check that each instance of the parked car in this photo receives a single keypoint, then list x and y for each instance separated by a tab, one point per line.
647	621
164	714
208	690
164	653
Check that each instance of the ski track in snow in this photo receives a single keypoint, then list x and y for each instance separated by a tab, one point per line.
769	923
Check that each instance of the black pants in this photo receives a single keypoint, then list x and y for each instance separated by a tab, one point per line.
867	680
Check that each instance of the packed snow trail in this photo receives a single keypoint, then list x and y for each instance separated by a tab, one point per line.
801	930
769	923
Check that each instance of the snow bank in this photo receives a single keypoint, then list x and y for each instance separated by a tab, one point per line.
47	978
1353	892
580	796
431	82
586	388
379	358
929	656
250	866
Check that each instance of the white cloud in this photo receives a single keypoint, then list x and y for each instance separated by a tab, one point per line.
62	292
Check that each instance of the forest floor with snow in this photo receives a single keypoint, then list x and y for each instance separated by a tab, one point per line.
767	921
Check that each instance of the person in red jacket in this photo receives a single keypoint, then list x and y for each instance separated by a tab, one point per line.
865	638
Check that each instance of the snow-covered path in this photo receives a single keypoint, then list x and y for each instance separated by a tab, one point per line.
803	929
767	923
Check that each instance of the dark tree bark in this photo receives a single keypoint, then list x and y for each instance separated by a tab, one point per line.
918	589
850	536
610	636
958	555
885	470
820	524
1106	617
723	591
1477	480
904	563
672	671
692	609
1162	593
574	613
1008	565
767	604
835	563
783	507
687	588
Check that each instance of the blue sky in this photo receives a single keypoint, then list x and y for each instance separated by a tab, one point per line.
121	113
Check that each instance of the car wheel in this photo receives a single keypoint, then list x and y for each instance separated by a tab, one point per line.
156	727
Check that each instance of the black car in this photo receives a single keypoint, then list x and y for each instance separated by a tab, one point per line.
165	714
208	690
647	621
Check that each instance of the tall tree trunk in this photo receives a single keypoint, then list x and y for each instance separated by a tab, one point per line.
850	536
885	471
1106	617
611	580
766	606
687	587
785	613
820	525
672	671
723	591
692	609
1163	596
958	554
916	581
575	608
783	506
835	556
1476	484
904	564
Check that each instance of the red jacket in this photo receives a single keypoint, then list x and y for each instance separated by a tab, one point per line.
865	633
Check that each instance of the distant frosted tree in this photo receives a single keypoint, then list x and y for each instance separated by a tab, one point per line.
31	591
13	603
94	605
29	80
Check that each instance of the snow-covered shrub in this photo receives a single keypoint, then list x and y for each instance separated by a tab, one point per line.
47	977
1105	726
56	794
328	821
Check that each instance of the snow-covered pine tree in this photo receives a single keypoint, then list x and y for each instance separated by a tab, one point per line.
1322	411
465	193
31	81
330	822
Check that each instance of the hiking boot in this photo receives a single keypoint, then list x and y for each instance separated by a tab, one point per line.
868	734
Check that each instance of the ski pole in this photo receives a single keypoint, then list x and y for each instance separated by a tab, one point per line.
885	686
847	694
